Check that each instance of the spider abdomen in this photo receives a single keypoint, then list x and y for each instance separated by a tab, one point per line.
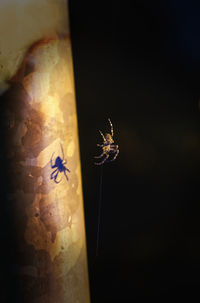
106	148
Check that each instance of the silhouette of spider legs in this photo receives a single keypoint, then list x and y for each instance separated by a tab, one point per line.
64	162
52	166
65	173
56	170
52	174
55	177
63	157
111	126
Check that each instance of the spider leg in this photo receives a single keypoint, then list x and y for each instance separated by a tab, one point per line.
103	153
113	146
101	145
117	153
55	178
104	160
52	174
111	126
65	168
62	151
102	136
52	166
66	174
65	162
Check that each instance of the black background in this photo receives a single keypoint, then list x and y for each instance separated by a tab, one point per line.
138	62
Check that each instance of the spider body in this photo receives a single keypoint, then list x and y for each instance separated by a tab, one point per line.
108	147
59	167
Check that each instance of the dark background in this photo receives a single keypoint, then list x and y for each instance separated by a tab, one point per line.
138	62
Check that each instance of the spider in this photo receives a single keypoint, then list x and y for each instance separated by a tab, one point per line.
108	147
59	167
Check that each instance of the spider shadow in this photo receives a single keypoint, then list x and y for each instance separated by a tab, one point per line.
59	167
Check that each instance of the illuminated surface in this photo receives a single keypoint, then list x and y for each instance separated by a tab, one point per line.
23	22
42	126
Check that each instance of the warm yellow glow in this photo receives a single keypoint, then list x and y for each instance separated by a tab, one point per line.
23	22
59	227
44	131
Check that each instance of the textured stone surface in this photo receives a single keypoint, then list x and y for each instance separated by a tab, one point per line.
40	123
23	22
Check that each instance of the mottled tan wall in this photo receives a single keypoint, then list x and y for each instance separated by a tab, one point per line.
40	129
22	23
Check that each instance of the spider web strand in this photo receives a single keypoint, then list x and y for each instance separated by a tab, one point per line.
99	210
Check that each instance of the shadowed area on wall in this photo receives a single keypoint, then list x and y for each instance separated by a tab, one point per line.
136	62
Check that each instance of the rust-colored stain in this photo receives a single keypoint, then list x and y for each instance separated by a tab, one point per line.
39	117
54	219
